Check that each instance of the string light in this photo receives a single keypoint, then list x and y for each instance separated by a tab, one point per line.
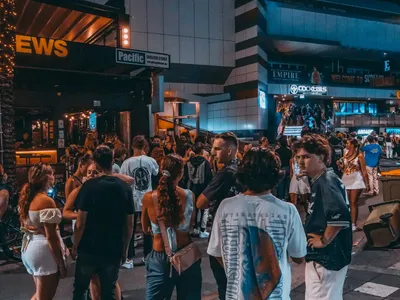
8	17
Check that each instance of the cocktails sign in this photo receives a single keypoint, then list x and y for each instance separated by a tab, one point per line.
296	89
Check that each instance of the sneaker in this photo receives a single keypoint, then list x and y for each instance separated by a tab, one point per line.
138	237
354	227
204	235
128	264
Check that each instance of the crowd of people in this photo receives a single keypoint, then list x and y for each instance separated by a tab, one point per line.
310	116
241	198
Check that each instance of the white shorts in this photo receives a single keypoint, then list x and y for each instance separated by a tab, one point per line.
38	258
299	186
353	181
323	284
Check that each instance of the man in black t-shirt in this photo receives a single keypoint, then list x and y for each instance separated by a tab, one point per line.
103	228
222	186
328	224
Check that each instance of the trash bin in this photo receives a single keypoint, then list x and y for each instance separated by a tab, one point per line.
390	187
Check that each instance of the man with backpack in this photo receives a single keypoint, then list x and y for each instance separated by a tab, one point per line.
196	177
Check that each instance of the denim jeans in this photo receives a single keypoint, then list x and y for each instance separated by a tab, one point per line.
162	278
220	276
89	265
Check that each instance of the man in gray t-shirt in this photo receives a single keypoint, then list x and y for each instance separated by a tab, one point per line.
141	168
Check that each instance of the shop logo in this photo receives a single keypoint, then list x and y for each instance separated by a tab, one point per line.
41	46
295	89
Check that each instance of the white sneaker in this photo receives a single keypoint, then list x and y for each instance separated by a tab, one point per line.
138	237
353	227
204	235
128	264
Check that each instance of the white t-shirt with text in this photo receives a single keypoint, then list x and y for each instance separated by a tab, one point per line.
140	168
255	236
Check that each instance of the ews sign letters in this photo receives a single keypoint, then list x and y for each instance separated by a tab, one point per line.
41	46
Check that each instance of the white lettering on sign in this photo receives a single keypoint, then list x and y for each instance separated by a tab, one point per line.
146	59
295	89
364	131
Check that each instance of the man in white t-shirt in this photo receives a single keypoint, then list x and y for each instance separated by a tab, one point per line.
254	233
141	167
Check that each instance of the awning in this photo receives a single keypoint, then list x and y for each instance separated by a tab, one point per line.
69	20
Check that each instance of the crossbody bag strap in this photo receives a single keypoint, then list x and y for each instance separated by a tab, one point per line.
161	223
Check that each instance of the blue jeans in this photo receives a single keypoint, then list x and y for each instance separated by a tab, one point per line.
89	265
160	284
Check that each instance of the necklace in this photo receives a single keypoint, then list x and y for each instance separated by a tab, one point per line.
313	180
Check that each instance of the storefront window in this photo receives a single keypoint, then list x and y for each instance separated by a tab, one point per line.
351	107
372	108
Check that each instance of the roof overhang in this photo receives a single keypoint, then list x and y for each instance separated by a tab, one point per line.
289	46
182	97
69	20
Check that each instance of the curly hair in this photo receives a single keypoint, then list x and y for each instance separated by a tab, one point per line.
315	144
170	207
38	177
260	170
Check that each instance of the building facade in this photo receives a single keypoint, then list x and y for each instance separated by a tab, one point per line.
265	53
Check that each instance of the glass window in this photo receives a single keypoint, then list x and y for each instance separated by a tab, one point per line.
342	107
349	107
356	108
372	108
362	108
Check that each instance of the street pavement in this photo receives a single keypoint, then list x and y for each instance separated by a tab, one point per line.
373	274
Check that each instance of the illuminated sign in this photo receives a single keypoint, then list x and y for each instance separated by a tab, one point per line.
364	131
262	99
295	89
40	46
93	121
292	130
140	58
386	66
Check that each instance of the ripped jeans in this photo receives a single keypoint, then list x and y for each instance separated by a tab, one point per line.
89	265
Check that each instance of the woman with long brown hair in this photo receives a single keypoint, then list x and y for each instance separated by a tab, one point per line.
175	206
43	251
355	177
77	179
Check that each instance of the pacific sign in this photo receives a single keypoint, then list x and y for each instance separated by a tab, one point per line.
140	58
295	89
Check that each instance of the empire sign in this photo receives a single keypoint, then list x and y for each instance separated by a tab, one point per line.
285	75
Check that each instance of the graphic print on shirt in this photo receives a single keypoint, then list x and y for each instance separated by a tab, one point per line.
264	271
254	252
141	176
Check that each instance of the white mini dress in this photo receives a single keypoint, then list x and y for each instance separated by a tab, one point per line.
36	254
352	177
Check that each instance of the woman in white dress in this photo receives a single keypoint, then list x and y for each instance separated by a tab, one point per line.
355	179
43	251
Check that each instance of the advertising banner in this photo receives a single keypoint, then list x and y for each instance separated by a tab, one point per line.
285	73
